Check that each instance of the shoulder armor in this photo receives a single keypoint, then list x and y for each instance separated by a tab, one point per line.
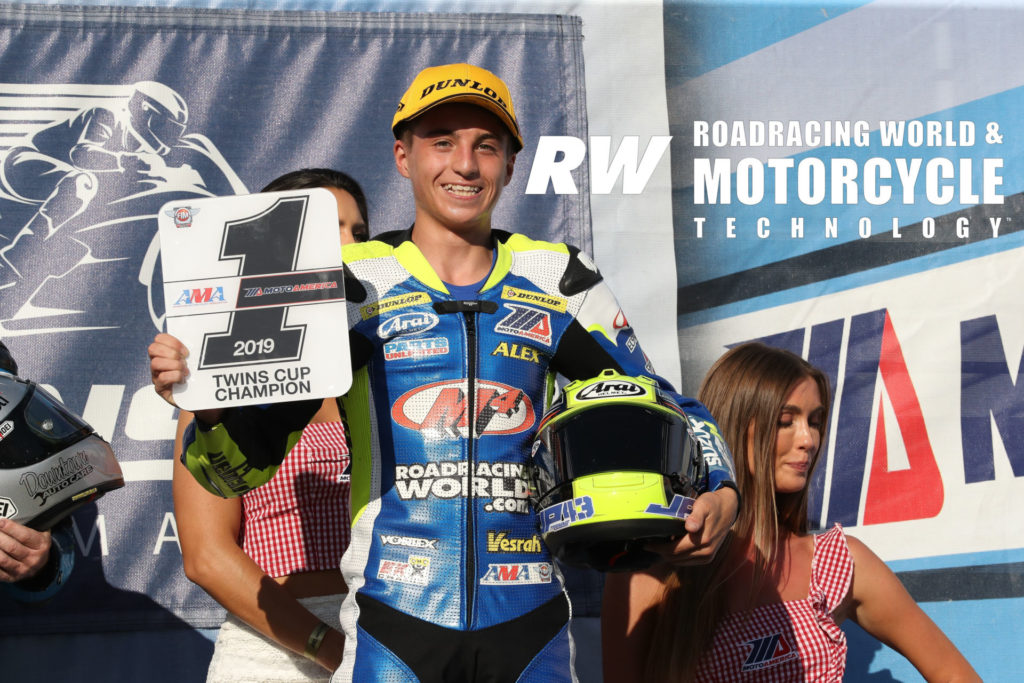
580	273
354	289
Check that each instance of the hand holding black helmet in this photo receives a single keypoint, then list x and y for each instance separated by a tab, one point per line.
51	461
615	466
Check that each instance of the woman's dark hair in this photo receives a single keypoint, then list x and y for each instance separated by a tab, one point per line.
7	362
307	178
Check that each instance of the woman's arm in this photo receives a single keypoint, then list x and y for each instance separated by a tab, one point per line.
882	606
627	623
208	528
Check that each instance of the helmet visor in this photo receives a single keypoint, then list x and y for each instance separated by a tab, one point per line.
612	438
38	427
165	129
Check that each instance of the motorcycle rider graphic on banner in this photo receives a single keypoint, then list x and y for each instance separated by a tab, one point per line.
76	189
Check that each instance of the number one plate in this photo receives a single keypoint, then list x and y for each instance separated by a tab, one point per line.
253	286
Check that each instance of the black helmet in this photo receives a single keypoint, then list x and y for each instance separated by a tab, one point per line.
51	461
615	465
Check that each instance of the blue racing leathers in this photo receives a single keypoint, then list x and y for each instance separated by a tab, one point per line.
448	578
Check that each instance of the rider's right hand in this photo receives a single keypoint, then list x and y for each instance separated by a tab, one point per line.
167	365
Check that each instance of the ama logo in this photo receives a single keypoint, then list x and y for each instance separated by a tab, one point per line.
865	428
207	295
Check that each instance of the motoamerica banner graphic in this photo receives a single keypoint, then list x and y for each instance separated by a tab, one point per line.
847	183
108	113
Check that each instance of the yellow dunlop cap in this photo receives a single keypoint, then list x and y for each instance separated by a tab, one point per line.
459	83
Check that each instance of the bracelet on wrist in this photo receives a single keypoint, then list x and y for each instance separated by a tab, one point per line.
315	640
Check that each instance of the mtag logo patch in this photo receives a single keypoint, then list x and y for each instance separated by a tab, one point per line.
442	408
521	574
526	322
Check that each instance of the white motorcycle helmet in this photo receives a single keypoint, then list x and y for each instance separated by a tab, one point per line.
51	461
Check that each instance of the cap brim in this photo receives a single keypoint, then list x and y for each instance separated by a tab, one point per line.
478	100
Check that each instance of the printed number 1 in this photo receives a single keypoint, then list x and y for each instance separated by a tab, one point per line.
265	243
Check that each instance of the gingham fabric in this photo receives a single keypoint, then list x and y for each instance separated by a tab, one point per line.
789	641
299	521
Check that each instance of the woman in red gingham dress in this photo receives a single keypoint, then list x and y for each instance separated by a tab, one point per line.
768	607
272	557
793	640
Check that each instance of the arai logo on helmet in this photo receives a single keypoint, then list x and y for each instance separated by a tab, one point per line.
406	323
610	388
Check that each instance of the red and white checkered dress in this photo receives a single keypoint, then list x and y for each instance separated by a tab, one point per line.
299	521
795	640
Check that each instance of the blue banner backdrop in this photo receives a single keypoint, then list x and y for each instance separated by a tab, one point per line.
108	112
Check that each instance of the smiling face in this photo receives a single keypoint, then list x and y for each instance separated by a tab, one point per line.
458	159
798	439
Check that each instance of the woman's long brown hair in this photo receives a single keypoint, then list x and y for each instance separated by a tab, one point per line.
744	391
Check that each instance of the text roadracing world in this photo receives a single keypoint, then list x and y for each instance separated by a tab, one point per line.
502	482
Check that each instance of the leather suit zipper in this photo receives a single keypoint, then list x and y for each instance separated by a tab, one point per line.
469	311
470	318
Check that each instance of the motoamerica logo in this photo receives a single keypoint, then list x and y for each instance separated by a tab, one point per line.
66	472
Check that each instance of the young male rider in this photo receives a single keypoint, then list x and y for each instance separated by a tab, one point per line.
456	333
